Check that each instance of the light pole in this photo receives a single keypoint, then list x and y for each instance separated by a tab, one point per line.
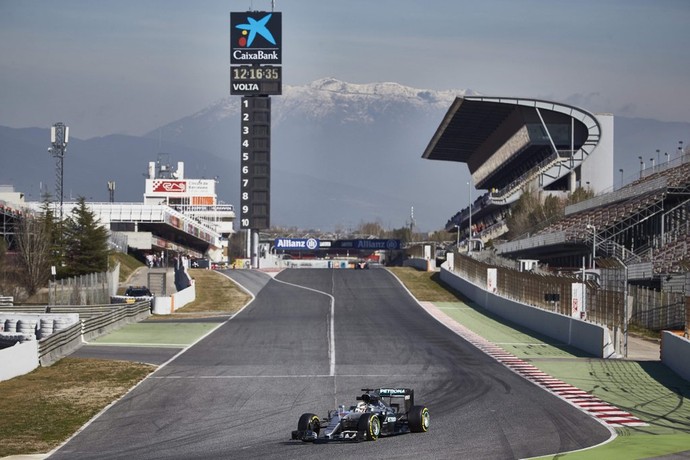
469	241
641	165
111	191
457	237
680	149
657	157
667	157
594	243
621	171
651	160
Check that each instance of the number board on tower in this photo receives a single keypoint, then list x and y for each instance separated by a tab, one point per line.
255	163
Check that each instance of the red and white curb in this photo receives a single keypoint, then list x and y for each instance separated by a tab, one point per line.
608	413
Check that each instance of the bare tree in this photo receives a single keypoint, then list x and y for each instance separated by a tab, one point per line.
34	244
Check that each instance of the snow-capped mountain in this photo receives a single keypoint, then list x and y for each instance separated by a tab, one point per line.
342	154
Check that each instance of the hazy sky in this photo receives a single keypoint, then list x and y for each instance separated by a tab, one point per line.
129	66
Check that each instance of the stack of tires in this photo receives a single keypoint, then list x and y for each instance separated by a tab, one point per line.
27	328
46	327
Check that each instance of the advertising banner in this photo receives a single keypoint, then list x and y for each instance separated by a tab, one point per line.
296	244
256	38
577	301
492	280
373	244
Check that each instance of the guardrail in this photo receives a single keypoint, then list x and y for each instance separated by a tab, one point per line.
59	344
6	300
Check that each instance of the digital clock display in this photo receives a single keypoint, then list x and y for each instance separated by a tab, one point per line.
254	80
255	73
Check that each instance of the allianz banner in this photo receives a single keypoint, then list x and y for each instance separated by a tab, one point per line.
373	244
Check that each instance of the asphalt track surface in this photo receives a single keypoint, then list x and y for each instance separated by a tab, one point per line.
309	341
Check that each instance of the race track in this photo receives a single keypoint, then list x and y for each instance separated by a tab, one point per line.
309	341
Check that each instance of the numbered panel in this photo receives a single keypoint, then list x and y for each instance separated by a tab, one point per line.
255	163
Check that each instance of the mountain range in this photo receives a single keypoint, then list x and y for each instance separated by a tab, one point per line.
341	154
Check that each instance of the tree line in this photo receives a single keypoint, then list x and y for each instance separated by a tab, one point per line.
74	246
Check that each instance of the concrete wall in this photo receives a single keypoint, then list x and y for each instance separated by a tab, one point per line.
675	353
421	264
588	337
597	169
166	305
18	360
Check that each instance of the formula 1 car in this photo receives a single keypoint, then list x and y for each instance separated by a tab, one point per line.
379	412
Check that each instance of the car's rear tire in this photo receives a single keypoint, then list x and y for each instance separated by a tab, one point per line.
369	427
309	422
418	418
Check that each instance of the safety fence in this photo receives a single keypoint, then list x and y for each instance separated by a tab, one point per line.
656	310
89	289
648	308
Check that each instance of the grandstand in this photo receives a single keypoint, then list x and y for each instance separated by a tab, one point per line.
643	224
630	243
512	144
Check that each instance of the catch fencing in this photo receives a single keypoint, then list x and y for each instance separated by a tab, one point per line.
89	289
604	303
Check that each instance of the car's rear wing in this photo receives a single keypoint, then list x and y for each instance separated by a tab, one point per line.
407	394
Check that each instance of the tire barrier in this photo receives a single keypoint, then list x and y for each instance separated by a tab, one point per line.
62	329
27	327
46	327
10	325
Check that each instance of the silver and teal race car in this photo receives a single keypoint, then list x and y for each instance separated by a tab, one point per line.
378	412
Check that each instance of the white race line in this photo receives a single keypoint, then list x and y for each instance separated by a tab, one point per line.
138	345
284	376
331	329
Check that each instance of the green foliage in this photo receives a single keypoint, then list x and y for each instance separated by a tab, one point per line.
580	194
86	242
529	214
404	234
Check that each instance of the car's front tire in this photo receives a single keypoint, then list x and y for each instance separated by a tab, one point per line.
418	418
369	427
309	422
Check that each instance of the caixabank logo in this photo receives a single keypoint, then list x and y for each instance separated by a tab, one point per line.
255	38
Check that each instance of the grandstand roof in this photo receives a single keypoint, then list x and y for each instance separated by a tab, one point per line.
506	142
471	120
467	124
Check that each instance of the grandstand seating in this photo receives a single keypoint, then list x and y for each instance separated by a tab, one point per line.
646	221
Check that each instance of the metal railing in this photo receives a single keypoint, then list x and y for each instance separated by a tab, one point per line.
90	289
650	309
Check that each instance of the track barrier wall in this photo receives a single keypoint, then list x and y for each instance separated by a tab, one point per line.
19	359
167	305
675	353
591	338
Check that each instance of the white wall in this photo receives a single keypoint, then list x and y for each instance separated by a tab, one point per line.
591	338
675	353
18	360
597	169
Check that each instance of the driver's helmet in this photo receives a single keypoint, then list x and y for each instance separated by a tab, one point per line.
361	407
